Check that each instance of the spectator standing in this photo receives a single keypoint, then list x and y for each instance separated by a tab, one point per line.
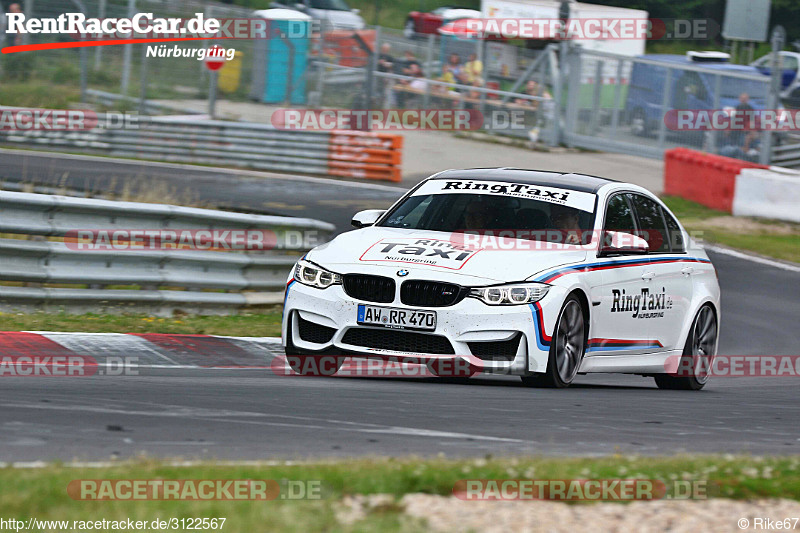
387	63
12	39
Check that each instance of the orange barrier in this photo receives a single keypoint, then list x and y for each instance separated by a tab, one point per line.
362	154
342	44
707	179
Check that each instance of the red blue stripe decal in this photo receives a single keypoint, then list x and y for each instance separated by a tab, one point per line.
542	339
601	345
551	276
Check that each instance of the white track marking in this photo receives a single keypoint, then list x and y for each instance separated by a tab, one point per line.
753	258
223	415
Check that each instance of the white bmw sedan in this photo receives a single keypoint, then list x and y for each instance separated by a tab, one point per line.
544	275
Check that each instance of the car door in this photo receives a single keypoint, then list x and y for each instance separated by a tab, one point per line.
616	326
667	297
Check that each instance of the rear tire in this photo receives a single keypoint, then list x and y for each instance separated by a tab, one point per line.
567	348
701	345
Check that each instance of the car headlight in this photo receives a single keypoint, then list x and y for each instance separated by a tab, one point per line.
515	294
314	276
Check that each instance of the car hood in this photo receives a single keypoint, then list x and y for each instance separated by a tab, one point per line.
443	256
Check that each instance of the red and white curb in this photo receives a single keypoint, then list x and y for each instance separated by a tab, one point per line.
146	349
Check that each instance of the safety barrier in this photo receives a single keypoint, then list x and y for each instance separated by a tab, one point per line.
773	193
124	277
704	178
352	154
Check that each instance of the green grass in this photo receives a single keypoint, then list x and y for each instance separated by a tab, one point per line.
780	240
38	94
267	324
688	210
41	492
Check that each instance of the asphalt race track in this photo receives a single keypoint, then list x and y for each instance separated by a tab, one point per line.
182	408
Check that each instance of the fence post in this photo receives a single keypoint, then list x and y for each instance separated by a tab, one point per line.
777	39
662	127
143	88
126	54
712	144
428	70
98	50
598	86
617	98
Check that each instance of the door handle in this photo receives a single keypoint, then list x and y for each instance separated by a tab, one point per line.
687	270
647	276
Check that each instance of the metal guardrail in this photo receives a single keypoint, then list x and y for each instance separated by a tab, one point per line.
787	154
110	99
345	153
168	279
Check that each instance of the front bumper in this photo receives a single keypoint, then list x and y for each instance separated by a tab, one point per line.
467	322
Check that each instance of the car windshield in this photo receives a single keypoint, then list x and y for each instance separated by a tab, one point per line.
458	212
330	5
733	87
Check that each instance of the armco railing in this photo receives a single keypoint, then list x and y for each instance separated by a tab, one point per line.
345	153
56	275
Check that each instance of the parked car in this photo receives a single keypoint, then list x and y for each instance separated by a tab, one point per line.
418	23
594	275
690	88
790	78
333	14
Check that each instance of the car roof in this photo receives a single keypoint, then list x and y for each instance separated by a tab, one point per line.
545	178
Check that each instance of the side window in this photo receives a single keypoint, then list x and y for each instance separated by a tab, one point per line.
619	215
651	223
675	234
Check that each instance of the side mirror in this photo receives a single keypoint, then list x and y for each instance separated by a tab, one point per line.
362	219
300	7
356	11
621	243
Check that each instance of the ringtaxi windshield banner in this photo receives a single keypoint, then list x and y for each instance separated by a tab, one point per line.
567	197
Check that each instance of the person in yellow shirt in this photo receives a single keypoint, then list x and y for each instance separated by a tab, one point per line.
472	70
447	77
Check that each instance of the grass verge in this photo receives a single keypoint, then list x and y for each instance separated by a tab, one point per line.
267	324
777	239
42	492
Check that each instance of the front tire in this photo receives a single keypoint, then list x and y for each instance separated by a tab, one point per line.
310	364
698	353
567	348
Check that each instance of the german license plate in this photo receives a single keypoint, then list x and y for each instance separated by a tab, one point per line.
370	315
